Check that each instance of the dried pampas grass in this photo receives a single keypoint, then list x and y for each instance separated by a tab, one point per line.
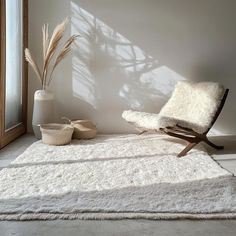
34	65
50	48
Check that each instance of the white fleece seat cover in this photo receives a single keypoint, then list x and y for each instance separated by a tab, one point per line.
192	105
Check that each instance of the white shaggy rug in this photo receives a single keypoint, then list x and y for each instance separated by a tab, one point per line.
115	177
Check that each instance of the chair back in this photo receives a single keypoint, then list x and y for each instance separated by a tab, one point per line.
197	103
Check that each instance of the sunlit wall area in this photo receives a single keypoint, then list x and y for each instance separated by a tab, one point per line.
131	53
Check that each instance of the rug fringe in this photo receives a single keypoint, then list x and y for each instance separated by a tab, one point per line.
116	216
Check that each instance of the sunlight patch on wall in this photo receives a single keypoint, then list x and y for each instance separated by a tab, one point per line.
107	67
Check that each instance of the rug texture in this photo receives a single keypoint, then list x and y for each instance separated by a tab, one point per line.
116	177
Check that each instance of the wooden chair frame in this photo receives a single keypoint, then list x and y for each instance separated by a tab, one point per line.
192	137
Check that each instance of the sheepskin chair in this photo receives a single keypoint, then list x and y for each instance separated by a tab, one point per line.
189	114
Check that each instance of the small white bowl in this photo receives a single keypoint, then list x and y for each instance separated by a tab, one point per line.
56	134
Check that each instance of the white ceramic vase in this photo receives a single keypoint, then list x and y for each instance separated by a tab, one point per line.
43	111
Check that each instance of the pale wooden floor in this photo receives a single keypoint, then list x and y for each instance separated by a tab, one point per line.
226	158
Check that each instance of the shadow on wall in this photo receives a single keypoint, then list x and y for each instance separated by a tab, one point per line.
110	74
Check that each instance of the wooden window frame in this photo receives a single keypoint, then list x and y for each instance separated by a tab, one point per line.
6	136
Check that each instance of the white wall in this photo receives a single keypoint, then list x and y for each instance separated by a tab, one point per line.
132	52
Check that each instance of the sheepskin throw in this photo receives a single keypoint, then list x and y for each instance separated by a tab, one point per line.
192	105
115	177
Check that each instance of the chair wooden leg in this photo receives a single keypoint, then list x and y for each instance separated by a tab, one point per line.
142	132
187	149
206	140
192	140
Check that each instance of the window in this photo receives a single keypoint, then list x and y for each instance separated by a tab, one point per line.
13	69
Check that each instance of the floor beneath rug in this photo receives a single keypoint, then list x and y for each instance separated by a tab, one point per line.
129	227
